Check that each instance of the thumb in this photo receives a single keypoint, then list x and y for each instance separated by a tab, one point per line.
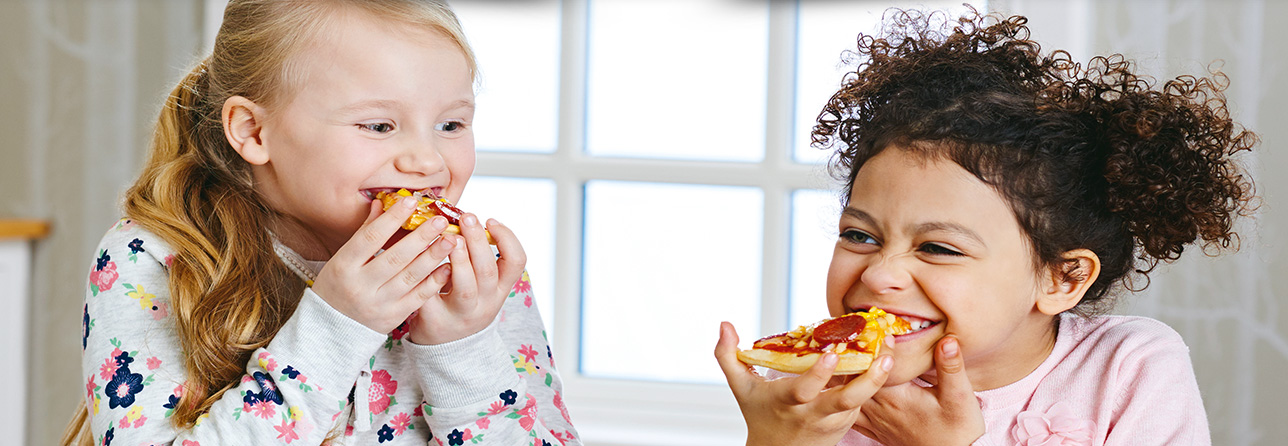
950	368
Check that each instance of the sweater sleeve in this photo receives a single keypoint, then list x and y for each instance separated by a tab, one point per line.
1159	403
498	386
293	389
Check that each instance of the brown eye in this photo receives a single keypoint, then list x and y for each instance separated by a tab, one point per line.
933	248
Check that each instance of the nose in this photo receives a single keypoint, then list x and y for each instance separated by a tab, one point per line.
886	274
420	157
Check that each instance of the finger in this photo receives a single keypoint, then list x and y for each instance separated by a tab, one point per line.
736	372
950	368
397	261
404	283
430	288
481	256
373	233
512	258
463	282
860	390
806	387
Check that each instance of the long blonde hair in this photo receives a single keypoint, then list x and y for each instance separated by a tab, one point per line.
229	292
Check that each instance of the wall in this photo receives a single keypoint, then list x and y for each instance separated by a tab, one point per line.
81	81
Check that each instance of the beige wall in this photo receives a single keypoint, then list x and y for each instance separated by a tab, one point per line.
81	81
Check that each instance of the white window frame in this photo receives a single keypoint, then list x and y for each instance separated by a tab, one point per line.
627	412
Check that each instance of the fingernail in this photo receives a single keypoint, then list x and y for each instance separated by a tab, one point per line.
886	363
492	222
438	223
828	359
408	202
950	348
470	220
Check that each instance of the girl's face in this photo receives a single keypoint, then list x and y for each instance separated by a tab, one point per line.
928	241
376	106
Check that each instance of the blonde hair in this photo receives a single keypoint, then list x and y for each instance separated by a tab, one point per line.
229	292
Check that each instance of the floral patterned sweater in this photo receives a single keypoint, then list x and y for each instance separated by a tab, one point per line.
324	378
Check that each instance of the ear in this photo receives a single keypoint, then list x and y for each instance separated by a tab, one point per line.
1065	284
243	122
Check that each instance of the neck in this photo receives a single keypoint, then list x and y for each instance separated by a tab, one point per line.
292	234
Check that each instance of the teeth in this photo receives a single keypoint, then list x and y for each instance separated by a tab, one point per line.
918	326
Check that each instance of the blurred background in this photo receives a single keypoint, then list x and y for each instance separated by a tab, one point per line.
653	157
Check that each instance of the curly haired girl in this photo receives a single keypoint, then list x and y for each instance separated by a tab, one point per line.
1004	198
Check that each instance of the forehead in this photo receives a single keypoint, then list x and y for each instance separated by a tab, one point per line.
354	48
905	190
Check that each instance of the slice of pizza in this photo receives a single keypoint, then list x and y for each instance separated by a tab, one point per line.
856	338
427	206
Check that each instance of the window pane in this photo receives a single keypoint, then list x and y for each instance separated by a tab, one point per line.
677	79
664	264
526	206
814	217
517	47
825	30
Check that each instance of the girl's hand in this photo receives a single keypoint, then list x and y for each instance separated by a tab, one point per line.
798	410
946	414
381	291
480	283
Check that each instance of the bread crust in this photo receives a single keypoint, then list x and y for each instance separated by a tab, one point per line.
848	363
856	338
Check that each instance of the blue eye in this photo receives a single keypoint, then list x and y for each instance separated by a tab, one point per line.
380	127
449	126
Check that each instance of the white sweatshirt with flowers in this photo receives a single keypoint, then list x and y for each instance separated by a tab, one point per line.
323	375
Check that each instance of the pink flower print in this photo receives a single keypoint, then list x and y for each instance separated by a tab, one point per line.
483	423
108	368
382	387
1058	426
562	437
264	409
400	422
562	408
267	362
528	414
286	431
191	443
497	407
528	352
169	261
401	330
153	363
103	275
159	310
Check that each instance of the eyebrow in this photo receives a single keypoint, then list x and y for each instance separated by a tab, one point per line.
371	104
384	104
921	228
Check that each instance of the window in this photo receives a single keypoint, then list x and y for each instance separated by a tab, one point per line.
653	156
681	187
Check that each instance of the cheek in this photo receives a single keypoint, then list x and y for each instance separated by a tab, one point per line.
842	275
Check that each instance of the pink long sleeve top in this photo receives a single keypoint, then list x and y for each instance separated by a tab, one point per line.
1110	380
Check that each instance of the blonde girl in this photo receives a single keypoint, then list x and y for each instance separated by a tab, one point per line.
256	294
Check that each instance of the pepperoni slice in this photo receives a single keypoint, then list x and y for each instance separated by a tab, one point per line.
841	329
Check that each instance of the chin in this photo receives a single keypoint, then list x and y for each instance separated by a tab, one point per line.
907	370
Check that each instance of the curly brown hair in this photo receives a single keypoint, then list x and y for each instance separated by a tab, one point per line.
1087	157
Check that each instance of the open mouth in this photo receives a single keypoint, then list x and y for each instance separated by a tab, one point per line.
916	324
370	194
